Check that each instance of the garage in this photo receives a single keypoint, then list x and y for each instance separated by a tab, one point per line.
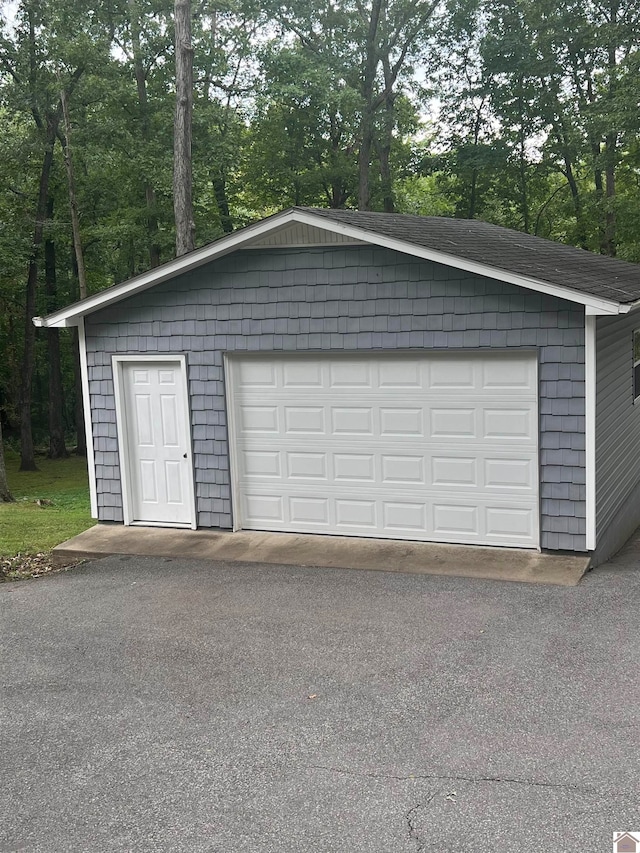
423	446
369	374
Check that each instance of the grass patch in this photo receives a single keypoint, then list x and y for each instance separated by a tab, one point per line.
28	528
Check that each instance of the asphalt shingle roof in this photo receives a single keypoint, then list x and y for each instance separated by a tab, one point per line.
503	249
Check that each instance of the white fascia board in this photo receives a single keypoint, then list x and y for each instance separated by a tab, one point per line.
597	304
590	428
69	316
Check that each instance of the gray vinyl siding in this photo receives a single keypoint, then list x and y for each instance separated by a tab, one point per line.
617	435
339	299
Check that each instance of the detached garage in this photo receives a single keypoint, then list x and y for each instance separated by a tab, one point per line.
374	375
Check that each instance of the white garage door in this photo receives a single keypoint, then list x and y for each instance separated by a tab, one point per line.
435	447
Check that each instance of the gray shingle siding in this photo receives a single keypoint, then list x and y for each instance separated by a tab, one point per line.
617	436
355	298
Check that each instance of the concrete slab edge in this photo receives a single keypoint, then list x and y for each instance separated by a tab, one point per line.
329	552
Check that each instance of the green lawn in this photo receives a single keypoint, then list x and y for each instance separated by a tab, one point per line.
27	528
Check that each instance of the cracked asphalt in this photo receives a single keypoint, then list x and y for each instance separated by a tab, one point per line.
159	705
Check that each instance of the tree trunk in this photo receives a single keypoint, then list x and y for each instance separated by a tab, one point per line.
143	101
611	140
522	175
581	230
182	174
57	447
220	191
73	201
27	454
5	494
368	110
81	439
384	153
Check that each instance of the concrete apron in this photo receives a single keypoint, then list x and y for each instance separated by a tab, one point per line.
295	549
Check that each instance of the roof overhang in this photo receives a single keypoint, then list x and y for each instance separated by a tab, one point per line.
252	234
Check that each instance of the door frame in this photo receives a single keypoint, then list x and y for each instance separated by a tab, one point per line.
118	362
229	366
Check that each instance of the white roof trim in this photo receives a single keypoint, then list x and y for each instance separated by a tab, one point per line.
242	239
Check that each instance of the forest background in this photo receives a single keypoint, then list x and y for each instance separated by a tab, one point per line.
524	113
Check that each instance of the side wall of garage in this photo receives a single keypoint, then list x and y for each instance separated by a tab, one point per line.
347	299
617	436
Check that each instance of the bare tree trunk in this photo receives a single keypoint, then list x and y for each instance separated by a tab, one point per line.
368	108
611	140
27	454
57	447
141	86
81	438
384	154
5	494
73	200
581	230
182	173
219	185
610	194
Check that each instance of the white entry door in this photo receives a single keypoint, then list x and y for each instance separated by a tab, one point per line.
440	447
154	440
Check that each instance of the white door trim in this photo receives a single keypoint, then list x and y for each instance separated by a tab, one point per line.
229	381
88	421
590	429
118	362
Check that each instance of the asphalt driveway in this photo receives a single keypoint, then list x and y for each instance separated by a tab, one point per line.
168	705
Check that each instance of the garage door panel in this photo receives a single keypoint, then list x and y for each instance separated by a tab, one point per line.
509	374
405	517
508	474
256	374
309	510
262	419
509	523
307	466
352	421
264	508
506	424
402	422
452	373
347	373
302	375
260	463
427	447
356	514
458	423
400	375
454	471
354	467
402	469
304	419
450	519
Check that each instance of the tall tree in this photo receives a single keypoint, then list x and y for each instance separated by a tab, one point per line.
57	446
182	134
372	47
